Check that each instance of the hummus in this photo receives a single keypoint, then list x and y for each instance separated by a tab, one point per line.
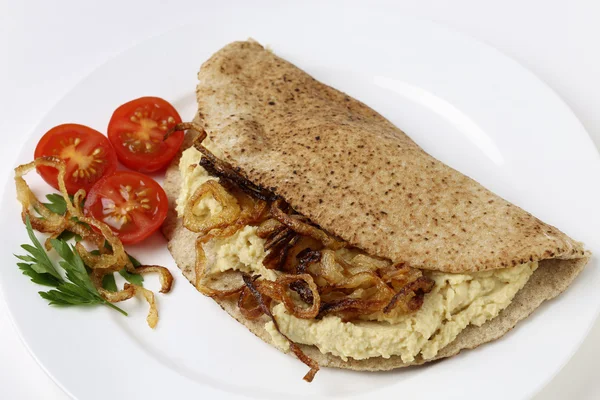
456	301
193	177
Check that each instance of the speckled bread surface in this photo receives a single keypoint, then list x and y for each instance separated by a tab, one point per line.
355	174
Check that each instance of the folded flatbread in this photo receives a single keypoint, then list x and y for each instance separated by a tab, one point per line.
355	175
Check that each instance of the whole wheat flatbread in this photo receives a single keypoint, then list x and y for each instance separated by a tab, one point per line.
355	174
549	280
359	177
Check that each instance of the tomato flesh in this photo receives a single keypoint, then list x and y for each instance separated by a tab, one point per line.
131	204
136	131
87	153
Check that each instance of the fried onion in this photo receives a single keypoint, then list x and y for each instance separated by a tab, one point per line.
248	305
360	306
224	171
331	271
285	281
204	224
305	258
112	257
303	228
364	293
269	228
164	275
304	291
48	221
130	290
114	297
411	295
185	126
152	317
111	254
312	364
277	257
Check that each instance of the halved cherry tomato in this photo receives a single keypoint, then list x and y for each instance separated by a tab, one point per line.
132	204
136	130
87	153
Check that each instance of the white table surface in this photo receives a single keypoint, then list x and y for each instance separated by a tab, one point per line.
46	47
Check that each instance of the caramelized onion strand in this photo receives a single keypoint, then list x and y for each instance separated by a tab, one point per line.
302	227
414	289
312	364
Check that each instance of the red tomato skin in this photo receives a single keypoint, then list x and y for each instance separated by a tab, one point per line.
111	187
122	124
49	144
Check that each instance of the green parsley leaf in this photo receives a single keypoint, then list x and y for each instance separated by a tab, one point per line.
135	279
68	294
135	262
77	290
68	235
56	203
40	279
73	265
38	259
108	282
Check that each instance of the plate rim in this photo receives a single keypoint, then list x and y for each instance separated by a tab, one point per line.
112	59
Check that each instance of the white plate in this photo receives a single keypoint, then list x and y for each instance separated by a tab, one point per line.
464	102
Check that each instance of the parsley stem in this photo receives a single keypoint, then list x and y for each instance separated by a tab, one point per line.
111	305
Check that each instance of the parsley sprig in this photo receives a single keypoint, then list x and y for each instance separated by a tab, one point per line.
76	289
56	203
37	265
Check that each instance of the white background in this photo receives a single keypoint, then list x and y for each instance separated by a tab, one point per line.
46	47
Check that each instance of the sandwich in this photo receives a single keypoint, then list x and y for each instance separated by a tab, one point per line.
330	234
